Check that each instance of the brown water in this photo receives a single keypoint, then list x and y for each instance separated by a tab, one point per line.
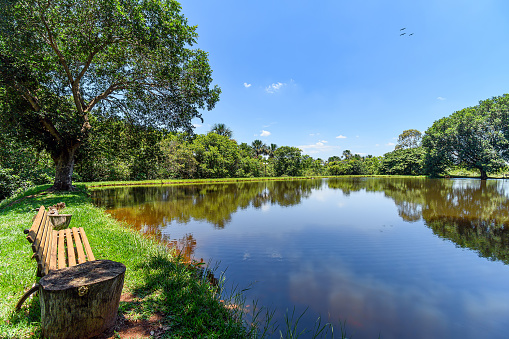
399	258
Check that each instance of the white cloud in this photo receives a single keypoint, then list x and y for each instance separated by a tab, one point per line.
274	87
265	133
390	144
197	125
246	85
377	145
340	137
441	98
320	146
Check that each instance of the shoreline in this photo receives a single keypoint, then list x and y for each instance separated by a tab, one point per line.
161	293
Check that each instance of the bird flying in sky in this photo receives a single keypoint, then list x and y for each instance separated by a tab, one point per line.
403	29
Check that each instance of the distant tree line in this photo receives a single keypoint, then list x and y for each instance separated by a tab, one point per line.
475	138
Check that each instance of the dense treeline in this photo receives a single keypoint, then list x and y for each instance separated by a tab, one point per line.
120	151
474	138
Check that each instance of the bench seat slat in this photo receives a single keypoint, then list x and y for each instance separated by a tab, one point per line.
88	249
61	249
46	252
70	248
79	246
53	254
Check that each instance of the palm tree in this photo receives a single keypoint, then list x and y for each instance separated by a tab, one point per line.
271	150
221	129
259	147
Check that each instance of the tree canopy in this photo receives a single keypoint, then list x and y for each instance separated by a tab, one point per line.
222	129
64	62
474	137
410	138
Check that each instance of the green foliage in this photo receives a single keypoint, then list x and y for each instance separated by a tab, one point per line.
259	148
334	158
61	62
288	161
118	150
312	166
21	166
221	129
410	138
403	161
217	156
474	137
372	165
177	159
345	167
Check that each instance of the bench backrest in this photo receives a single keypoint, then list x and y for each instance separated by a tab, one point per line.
42	239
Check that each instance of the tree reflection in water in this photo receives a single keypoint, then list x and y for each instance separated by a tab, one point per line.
470	212
150	209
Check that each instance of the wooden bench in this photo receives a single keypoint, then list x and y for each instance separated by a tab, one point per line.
53	249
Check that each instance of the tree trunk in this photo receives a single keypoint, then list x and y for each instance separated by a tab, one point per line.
64	166
81	301
484	175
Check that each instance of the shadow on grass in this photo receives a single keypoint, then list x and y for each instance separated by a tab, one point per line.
188	303
43	195
29	314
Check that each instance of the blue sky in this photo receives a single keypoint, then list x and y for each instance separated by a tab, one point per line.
327	76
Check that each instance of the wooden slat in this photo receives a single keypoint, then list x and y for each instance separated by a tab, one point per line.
88	249
53	254
61	249
70	248
47	250
39	236
41	243
35	225
79	246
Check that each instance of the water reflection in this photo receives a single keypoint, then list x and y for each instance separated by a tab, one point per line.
150	209
472	213
379	253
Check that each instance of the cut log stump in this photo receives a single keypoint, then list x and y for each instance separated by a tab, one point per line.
81	301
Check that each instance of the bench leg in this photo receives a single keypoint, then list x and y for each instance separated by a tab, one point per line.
35	288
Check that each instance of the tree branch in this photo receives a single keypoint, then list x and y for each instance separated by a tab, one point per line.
51	129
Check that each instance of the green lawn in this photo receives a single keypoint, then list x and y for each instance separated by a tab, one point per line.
186	305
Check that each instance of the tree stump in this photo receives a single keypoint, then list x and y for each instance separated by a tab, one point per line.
81	301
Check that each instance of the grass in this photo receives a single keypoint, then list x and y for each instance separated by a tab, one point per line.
157	280
185	181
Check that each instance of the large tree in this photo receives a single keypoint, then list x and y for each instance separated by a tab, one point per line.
410	138
64	62
474	137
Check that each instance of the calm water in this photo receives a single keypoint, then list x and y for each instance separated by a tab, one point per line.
403	258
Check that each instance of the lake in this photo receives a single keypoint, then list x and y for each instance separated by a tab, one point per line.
389	257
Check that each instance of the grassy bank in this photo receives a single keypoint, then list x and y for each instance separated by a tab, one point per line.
188	181
169	298
101	184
